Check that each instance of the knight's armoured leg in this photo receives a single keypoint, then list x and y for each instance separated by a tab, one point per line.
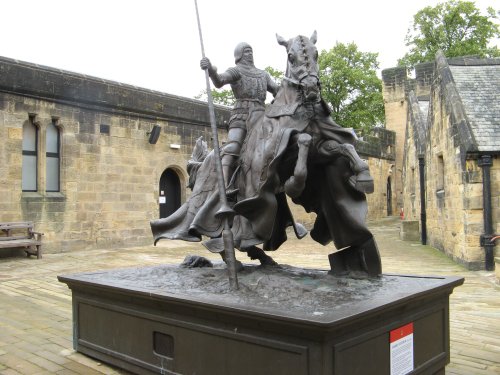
231	152
361	180
363	258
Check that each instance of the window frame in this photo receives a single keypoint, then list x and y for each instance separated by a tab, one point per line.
31	122
53	155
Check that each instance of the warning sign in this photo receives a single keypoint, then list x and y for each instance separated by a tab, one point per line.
401	340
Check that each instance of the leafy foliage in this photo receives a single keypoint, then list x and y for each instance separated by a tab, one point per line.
276	75
219	96
456	27
351	87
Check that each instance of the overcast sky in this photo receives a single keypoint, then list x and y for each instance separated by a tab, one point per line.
155	43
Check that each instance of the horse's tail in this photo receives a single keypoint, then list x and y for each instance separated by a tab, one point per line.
200	152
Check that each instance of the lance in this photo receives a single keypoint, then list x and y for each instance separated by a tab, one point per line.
225	211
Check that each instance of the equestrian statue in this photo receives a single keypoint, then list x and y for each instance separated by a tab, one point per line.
291	147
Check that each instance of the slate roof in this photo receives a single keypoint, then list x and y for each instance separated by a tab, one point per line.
479	89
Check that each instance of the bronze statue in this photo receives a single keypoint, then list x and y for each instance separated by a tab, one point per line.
295	149
250	86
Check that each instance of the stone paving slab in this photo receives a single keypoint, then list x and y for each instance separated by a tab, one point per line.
36	321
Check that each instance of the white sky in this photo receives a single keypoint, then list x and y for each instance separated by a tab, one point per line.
155	43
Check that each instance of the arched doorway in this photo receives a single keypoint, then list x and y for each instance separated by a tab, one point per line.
389	197
170	193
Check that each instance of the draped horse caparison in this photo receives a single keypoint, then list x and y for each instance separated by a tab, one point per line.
294	148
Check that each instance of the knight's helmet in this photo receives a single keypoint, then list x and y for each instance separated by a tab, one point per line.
238	51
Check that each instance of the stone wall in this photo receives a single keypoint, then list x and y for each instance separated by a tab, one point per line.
109	171
395	86
454	204
435	135
378	149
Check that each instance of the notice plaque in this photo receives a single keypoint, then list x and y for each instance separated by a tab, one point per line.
401	340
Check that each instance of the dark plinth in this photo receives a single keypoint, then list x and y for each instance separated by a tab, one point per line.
291	321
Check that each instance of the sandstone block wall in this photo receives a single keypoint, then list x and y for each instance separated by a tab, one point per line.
394	89
109	171
109	182
453	179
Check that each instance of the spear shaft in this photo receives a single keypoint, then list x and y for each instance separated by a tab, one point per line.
227	235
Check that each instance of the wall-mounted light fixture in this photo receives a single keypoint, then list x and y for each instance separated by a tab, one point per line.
154	134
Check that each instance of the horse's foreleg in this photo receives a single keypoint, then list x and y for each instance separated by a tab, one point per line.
361	179
296	183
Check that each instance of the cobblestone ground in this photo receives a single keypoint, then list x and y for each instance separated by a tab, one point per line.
35	309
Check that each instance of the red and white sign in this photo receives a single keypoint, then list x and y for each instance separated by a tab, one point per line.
401	340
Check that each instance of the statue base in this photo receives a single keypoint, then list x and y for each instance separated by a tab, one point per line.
282	320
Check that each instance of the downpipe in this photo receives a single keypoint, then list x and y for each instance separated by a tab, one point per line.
487	239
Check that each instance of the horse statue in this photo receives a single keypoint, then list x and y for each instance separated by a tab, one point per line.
293	149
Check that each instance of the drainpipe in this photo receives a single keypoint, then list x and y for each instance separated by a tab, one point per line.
423	214
486	239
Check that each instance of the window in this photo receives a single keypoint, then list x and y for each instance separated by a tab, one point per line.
30	156
53	157
440	173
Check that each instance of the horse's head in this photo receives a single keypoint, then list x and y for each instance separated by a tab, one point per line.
302	68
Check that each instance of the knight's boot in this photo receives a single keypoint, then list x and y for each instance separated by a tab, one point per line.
361	180
227	172
255	253
364	258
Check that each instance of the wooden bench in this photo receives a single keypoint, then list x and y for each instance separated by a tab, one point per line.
21	234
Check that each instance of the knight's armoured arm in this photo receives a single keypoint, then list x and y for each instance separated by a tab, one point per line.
229	76
272	87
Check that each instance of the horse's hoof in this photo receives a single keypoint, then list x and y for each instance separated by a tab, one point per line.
304	139
266	260
366	187
363	182
257	253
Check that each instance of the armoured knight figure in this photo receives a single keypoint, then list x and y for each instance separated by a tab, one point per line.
250	86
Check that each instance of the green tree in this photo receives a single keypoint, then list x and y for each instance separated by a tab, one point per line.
456	27
219	96
349	84
226	97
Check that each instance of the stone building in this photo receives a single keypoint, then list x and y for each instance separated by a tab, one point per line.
78	156
75	155
448	171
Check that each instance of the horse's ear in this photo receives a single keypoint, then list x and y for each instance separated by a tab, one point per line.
314	37
281	40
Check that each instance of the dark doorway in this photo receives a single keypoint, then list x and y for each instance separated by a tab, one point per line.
170	193
389	197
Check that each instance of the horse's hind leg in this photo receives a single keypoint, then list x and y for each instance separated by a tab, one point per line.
296	183
361	179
